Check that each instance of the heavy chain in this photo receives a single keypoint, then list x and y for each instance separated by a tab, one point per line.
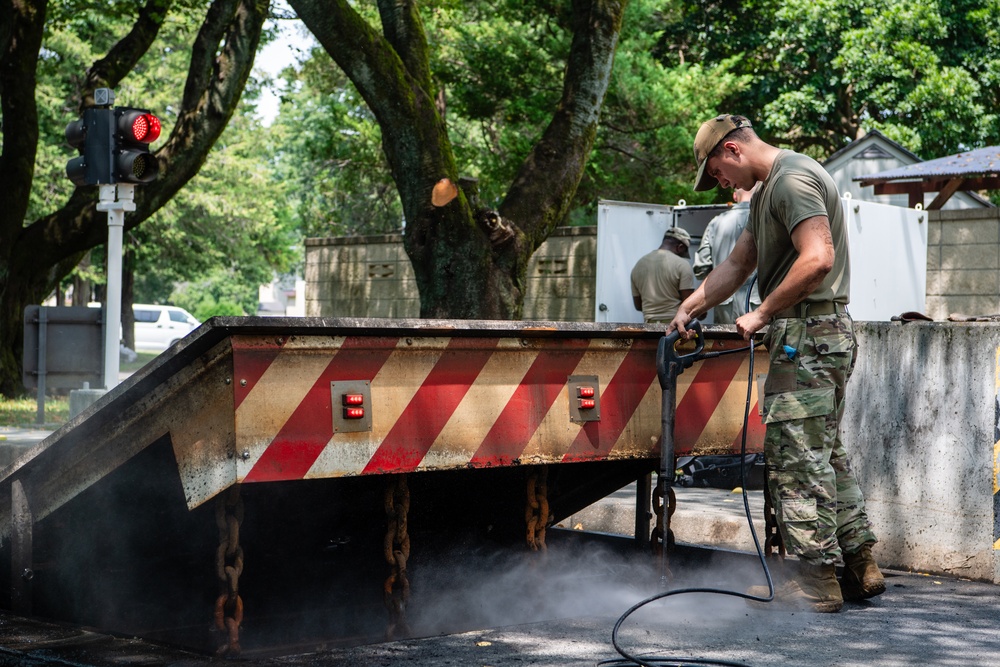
663	527
536	509
773	544
396	591
228	568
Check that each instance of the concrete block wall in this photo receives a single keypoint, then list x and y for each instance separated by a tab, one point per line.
360	276
963	262
920	426
562	277
371	276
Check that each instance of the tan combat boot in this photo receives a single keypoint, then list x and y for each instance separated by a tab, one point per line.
811	588
862	578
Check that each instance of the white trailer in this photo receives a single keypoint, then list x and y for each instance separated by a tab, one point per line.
888	247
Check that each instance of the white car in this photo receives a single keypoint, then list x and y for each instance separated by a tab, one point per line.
159	327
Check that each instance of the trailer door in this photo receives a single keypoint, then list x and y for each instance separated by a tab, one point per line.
625	232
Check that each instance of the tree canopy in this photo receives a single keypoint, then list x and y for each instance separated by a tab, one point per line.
925	73
497	68
72	47
475	127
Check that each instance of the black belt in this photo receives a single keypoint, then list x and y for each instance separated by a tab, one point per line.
805	309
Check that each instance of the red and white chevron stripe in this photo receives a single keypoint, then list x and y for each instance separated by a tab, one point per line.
458	402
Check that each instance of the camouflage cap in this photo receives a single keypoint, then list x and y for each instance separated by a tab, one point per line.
679	234
709	135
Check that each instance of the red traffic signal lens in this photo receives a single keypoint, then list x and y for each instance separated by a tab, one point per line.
145	128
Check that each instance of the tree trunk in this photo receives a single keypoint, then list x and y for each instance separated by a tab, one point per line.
469	262
35	257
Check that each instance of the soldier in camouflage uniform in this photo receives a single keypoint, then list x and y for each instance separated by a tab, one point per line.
796	241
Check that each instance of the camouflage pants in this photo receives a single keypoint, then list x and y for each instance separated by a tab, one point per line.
816	498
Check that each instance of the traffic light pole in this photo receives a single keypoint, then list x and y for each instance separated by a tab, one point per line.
115	199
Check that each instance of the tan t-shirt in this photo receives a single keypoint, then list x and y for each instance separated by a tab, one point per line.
658	278
796	189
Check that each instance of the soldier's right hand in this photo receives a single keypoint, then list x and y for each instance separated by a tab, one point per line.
679	324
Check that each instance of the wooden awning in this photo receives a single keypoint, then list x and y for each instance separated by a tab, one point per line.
970	171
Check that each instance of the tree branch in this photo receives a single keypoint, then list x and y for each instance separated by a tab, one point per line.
542	192
404	31
413	135
121	59
21	38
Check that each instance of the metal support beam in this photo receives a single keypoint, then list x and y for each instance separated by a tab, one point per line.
21	572
115	199
43	344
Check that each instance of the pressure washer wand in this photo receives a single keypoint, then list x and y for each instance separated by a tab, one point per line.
669	365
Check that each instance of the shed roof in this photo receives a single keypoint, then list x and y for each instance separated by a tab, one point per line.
969	170
870	142
980	162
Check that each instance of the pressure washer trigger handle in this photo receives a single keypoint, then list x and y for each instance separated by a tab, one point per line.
669	361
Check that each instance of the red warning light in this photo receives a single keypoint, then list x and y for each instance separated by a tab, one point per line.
354	413
132	161
585	392
145	128
587	404
354	399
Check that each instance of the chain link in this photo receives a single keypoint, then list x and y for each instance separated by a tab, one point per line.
396	591
663	527
228	568
536	508
774	546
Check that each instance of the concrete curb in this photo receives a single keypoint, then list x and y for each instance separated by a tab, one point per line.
704	516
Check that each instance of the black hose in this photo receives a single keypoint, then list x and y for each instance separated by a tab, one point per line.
627	659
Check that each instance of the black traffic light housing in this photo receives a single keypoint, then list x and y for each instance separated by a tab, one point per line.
135	129
92	136
113	144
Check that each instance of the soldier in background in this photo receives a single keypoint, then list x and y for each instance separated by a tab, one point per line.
663	278
716	244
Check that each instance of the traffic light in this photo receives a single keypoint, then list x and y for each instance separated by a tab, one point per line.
92	136
113	143
135	129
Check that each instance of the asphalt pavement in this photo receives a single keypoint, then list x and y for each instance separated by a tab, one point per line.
563	613
559	609
920	620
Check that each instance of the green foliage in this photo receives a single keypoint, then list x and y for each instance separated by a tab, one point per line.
226	233
498	67
231	223
221	293
651	113
327	148
925	73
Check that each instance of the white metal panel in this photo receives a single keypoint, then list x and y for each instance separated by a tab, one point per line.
625	232
888	256
888	259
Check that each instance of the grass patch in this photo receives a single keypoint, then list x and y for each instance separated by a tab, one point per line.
22	412
143	359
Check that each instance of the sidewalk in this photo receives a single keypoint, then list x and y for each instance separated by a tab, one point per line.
15	439
17	435
705	516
